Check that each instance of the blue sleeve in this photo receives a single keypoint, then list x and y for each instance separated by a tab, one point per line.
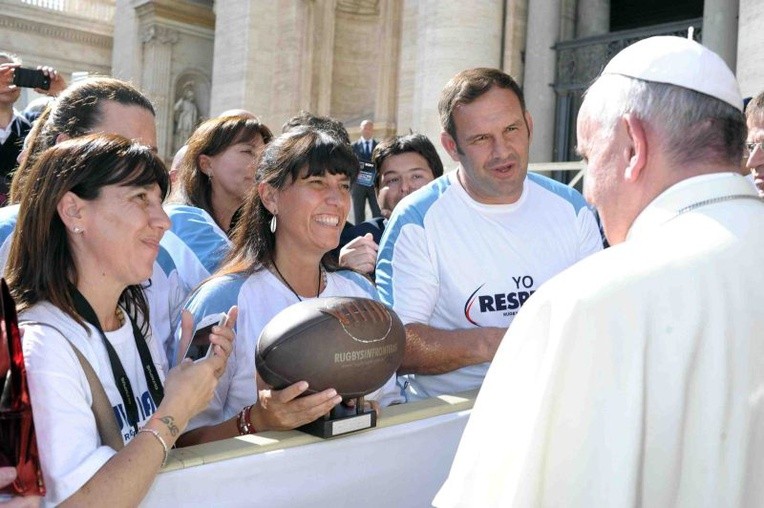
215	296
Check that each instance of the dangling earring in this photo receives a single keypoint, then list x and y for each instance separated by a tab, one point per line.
273	224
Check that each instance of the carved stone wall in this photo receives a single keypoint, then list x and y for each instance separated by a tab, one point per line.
156	80
383	59
256	54
356	61
43	37
176	41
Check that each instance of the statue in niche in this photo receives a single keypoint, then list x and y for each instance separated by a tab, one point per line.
186	114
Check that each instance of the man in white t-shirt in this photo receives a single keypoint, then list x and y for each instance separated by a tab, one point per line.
635	377
461	255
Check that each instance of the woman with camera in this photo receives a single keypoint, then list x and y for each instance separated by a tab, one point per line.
89	227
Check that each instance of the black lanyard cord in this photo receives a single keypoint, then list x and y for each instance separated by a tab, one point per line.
124	386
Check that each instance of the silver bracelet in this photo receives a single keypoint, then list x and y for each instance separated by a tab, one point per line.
161	441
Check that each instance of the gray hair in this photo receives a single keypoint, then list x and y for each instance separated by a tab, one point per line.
693	127
755	109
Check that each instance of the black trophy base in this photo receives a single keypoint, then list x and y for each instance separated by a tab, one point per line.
342	420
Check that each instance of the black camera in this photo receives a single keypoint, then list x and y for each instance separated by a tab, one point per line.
30	78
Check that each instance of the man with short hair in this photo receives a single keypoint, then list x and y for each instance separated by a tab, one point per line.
754	117
635	377
404	164
363	188
459	257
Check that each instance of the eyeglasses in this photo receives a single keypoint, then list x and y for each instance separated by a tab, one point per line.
750	147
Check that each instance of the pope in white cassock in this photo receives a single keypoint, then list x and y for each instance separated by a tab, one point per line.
636	377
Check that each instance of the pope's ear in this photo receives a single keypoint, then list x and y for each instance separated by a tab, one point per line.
635	152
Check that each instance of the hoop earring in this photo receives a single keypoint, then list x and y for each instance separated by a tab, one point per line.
273	224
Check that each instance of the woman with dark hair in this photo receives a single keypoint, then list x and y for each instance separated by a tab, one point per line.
218	170
89	106
280	257
112	106
89	229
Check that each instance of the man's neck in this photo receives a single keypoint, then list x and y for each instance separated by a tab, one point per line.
6	115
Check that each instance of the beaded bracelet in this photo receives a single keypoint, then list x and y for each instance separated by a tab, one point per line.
161	441
244	422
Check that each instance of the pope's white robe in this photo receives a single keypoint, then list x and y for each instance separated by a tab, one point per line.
636	377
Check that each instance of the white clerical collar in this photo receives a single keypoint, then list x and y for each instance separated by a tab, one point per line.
688	195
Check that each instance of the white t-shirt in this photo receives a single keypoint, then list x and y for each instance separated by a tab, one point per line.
452	263
70	447
189	252
261	296
195	243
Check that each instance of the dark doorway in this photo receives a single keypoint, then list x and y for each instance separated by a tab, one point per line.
579	61
627	14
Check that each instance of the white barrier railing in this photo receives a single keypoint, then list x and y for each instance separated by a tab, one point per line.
546	167
401	462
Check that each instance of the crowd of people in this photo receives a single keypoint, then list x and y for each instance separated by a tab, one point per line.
614	376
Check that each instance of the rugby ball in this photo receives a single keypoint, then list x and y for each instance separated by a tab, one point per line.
350	344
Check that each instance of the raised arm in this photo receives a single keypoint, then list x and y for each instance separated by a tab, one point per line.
124	479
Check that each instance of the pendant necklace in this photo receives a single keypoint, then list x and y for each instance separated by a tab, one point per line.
320	278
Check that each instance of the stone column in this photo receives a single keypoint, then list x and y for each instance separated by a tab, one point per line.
720	20
156	83
592	18
260	58
243	57
750	50
387	80
317	77
515	24
126	57
543	33
450	37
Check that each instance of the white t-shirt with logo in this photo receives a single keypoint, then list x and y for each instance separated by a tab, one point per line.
260	296
450	262
70	447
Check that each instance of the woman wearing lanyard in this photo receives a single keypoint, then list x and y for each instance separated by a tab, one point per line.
89	228
281	256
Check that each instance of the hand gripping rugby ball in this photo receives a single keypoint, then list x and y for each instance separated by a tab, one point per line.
350	344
